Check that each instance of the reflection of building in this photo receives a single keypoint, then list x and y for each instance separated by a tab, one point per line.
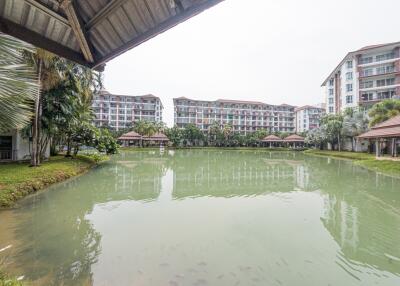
120	111
236	174
364	77
243	116
308	118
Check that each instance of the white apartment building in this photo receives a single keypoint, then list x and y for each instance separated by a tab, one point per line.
244	116
120	111
363	78
308	117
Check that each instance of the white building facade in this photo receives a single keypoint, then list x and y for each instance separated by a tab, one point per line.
363	78
244	116
308	118
16	147
121	111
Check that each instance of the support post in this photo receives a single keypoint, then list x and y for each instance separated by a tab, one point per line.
377	148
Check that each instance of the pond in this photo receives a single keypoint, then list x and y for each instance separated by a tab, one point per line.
204	217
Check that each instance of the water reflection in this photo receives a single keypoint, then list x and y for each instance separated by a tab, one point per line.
127	217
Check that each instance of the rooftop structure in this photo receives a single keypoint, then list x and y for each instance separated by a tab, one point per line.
388	131
121	111
244	116
364	77
308	117
93	32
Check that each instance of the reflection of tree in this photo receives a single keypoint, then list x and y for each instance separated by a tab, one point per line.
61	216
213	173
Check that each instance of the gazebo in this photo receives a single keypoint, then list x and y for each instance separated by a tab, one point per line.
385	133
294	140
133	139
272	141
130	139
156	139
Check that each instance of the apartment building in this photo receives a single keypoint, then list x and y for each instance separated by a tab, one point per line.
364	77
244	116
120	111
308	117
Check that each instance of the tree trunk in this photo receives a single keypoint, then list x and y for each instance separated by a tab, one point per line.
339	146
35	124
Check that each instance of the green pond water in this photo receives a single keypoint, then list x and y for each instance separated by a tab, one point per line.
209	218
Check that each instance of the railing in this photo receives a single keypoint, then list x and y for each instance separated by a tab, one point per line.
5	155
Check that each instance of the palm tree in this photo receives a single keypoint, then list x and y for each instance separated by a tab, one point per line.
354	123
384	110
18	84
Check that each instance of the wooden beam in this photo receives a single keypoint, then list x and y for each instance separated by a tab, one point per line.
179	4
48	11
104	13
77	27
162	27
20	32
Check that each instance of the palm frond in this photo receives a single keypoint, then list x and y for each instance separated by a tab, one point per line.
18	84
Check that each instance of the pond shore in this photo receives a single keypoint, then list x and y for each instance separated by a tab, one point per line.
18	180
366	160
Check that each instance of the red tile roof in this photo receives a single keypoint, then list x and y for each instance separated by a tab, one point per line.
294	138
272	138
387	129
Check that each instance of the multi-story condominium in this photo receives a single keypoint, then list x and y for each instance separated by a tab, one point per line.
364	77
244	116
120	111
308	117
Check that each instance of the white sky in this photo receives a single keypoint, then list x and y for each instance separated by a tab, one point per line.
276	51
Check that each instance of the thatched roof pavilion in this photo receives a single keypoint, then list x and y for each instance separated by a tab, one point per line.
294	138
132	135
272	138
158	137
388	131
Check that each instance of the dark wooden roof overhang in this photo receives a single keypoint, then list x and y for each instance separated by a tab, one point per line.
94	32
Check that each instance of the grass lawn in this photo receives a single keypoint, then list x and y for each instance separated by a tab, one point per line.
365	160
18	179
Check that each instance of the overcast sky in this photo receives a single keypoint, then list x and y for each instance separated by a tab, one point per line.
271	51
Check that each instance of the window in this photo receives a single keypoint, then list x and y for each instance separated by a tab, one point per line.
367	72
331	91
386	94
384	57
367	96
367	84
330	109
385	69
383	82
349	87
349	99
331	82
366	60
349	76
349	64
330	100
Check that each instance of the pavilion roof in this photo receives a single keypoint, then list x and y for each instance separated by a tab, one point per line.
132	135
387	129
272	138
294	138
94	32
156	137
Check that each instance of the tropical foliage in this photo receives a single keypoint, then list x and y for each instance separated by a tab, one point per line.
384	110
18	84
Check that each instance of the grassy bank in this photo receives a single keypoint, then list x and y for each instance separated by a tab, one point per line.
365	160
8	281
18	179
